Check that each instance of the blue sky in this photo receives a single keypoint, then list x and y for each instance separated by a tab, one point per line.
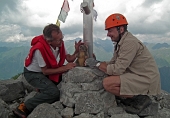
23	19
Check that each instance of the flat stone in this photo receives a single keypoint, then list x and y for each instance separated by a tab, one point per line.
151	110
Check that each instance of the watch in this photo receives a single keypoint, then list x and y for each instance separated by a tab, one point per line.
98	64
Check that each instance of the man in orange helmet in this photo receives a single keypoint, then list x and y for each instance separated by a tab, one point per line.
133	73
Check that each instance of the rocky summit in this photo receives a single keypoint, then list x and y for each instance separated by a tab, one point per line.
82	96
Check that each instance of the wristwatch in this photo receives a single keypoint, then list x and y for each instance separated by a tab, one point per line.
98	64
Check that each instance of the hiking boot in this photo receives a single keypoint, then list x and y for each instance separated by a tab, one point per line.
21	111
140	102
118	100
127	101
124	101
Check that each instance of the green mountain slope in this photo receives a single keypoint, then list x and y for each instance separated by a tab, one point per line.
12	58
163	53
160	52
11	61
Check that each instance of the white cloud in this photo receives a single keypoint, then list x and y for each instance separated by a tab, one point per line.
8	28
147	19
15	38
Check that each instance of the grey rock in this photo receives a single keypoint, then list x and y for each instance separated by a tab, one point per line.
70	89
58	106
151	110
44	110
109	101
67	113
100	115
164	103
4	109
125	115
164	113
82	96
67	101
98	72
115	110
11	90
91	62
27	86
95	85
79	75
84	115
90	102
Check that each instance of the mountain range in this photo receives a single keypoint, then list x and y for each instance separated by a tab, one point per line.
12	56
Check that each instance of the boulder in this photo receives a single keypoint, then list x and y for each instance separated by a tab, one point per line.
82	96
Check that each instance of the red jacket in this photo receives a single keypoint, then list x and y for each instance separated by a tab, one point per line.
40	43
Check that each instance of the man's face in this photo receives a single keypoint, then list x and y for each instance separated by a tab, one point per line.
57	39
113	34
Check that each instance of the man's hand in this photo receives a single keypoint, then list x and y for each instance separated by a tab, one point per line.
103	67
91	62
69	66
77	44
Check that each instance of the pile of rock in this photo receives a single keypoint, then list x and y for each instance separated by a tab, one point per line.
82	96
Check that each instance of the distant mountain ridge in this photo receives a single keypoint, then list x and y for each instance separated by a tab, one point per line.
161	45
12	57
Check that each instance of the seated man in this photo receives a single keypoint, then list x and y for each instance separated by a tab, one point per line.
133	73
43	71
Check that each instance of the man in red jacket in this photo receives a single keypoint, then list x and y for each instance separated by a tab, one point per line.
43	70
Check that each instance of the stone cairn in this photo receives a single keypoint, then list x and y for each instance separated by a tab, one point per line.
82	96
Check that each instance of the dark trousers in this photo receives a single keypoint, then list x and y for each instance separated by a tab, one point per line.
49	92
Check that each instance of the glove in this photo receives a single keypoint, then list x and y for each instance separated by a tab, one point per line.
91	62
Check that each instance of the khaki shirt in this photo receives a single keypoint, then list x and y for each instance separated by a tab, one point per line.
136	67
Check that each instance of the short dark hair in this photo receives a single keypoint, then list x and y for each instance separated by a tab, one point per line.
125	27
47	31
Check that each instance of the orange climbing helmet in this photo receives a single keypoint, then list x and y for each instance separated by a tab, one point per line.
115	20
